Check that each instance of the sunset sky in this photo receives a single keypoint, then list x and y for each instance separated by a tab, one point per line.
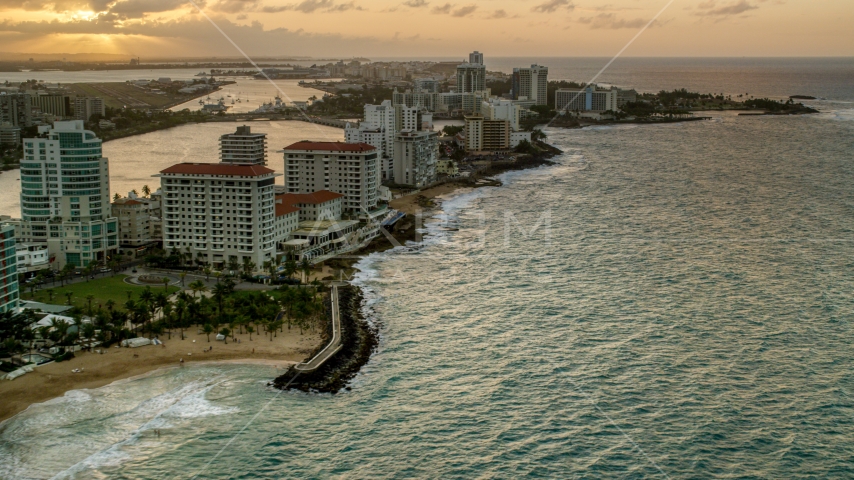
339	28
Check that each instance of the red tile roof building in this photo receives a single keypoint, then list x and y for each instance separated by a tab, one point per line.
351	169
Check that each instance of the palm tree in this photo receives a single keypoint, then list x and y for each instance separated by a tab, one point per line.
183	275
50	294
220	291
249	330
110	304
248	266
68	295
225	332
305	266
166	283
145	190
89	299
116	196
233	265
207	271
197	287
180	307
208	329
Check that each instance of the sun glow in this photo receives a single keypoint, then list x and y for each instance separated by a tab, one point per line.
85	15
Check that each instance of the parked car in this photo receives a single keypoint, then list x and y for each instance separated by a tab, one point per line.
106	270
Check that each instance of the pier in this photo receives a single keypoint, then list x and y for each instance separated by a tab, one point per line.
334	344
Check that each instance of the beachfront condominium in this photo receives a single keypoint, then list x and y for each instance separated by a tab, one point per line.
65	196
350	169
8	269
86	107
531	84
484	134
219	213
587	99
243	147
377	129
16	109
415	155
476	58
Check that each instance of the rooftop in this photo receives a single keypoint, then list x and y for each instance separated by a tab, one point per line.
218	169
331	146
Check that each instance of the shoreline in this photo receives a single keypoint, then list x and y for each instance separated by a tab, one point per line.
54	380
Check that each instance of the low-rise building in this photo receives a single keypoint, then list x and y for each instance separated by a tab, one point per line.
447	167
587	99
32	257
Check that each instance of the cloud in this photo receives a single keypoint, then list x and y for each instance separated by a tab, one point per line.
416	3
233	6
736	8
442	10
498	14
464	11
552	6
448	9
139	8
311	6
612	22
56	5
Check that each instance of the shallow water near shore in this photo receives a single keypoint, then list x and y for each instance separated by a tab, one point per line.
668	300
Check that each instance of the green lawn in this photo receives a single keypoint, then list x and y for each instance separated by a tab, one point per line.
105	288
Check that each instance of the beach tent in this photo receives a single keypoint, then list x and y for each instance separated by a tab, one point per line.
136	342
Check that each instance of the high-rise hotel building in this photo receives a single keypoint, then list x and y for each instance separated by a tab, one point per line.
219	212
243	147
531	84
65	196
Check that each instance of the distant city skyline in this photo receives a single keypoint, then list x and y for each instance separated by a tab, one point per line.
393	28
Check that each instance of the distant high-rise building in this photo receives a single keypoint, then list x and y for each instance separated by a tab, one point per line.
476	58
8	269
16	109
377	129
85	107
59	105
243	147
531	84
471	77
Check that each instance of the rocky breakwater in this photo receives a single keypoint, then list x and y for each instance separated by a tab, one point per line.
358	341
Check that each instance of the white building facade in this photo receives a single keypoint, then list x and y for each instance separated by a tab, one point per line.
220	212
243	147
587	99
531	84
415	156
350	169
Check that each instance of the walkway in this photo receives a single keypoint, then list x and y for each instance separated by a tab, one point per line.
334	344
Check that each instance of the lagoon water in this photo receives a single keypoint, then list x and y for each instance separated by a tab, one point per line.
667	301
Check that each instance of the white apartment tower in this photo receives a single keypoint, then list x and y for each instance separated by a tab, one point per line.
219	212
65	195
476	58
531	84
346	168
243	147
415	155
377	130
85	107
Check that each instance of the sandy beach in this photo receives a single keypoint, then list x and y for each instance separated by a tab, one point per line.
409	203
54	379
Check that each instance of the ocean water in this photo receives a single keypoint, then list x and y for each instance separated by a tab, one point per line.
667	301
682	309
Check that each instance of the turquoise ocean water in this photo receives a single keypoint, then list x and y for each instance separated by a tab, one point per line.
667	301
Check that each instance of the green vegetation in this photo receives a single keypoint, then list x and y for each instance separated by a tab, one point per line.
134	122
451	130
101	290
351	102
